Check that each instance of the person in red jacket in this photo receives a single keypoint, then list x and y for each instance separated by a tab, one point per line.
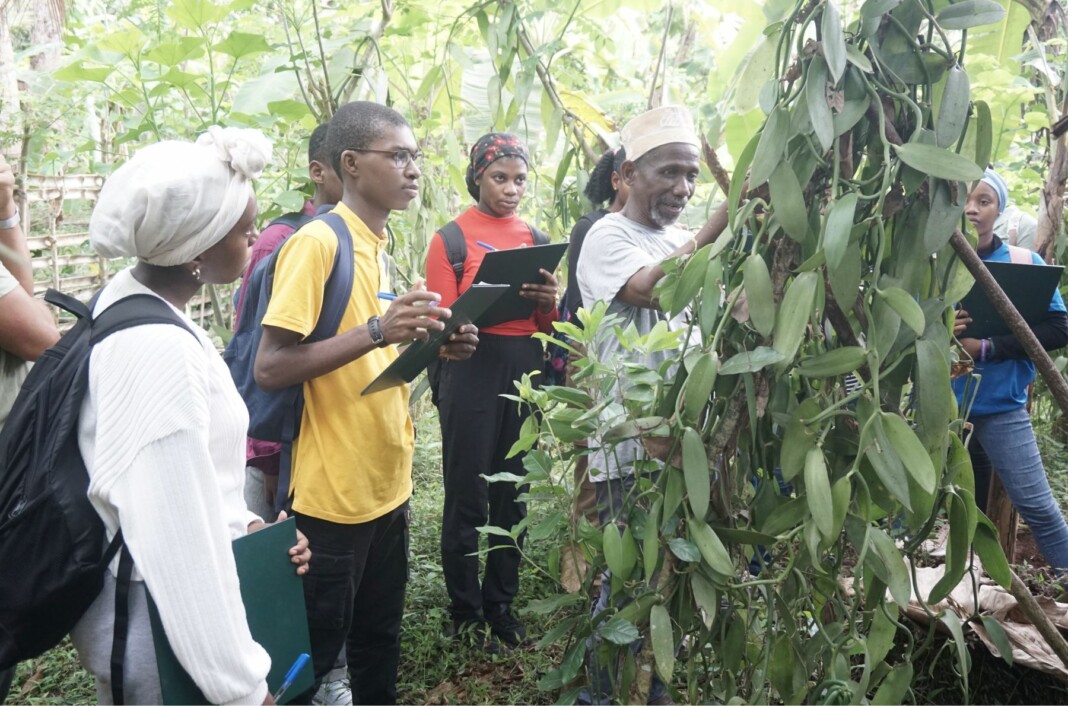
478	425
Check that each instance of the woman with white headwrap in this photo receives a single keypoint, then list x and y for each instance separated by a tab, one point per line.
162	429
996	391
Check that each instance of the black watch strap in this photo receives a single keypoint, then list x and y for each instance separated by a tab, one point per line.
374	329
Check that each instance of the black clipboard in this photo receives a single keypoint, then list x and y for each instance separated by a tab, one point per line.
273	595
1029	287
416	357
516	267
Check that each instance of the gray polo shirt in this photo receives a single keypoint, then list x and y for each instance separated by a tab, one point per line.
614	250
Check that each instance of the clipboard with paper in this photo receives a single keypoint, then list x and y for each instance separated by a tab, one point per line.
416	357
273	595
1029	287
515	267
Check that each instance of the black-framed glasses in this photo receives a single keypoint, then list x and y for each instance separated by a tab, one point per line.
401	157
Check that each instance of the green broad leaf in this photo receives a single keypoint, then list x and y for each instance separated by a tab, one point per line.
938	162
897	574
798	438
984	133
704	594
834	46
988	547
756	70
196	14
750	361
885	462
240	44
894	687
999	637
818	491
612	545
684	550
857	58
882	633
872	9
953	112
176	51
837	229
547	527
788	201
934	397
908	447
289	110
619	631
970	13
769	150
758	294
696	473
663	637
495	531
697	390
290	200
944	216
548	606
673	492
743	536
956	549
851	113
633	428
794	314
781	667
787	516
833	363
819	111
557	631
906	307
712	548
78	71
738	179
693	276
951	621
569	395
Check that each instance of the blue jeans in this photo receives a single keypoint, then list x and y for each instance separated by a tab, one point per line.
613	505
1009	442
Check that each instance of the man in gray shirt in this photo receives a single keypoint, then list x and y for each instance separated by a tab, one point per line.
621	262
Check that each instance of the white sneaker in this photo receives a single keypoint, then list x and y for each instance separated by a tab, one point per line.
334	692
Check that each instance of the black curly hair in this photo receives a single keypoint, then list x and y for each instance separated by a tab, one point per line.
599	188
317	148
356	126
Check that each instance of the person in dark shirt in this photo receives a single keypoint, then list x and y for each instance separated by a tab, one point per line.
605	186
995	393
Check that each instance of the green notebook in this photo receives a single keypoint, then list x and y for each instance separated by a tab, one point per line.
515	267
416	357
274	606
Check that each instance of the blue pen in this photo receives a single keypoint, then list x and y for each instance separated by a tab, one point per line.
387	296
291	675
485	245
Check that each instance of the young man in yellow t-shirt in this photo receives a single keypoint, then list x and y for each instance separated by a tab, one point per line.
352	465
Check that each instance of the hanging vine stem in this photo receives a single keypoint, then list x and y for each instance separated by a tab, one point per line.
296	71
574	122
660	58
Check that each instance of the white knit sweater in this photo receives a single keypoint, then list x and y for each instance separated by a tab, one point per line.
162	432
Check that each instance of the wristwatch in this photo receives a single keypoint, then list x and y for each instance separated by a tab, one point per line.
9	223
374	329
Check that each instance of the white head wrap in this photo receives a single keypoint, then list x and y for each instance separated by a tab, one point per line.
657	127
174	200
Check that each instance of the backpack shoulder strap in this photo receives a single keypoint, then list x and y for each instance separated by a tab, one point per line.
1019	256
294	220
540	236
135	310
455	247
338	288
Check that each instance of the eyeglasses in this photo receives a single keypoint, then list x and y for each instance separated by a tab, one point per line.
401	158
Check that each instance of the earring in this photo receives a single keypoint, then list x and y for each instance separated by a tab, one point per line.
196	273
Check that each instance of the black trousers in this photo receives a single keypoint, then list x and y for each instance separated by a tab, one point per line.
354	593
478	428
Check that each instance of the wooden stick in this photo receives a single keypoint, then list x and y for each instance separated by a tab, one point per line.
1038	617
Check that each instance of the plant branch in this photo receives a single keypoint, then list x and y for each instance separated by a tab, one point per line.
660	58
714	166
1038	617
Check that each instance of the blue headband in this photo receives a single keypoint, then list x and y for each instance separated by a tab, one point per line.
998	185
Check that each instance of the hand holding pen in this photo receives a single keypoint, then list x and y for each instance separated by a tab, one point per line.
411	316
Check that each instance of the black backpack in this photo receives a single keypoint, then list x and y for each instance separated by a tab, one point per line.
456	250
51	538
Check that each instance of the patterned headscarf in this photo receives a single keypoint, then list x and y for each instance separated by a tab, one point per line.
488	149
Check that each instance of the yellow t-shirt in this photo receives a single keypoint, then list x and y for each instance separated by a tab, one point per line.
353	460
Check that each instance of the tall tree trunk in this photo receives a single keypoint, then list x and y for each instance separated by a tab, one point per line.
10	114
48	20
